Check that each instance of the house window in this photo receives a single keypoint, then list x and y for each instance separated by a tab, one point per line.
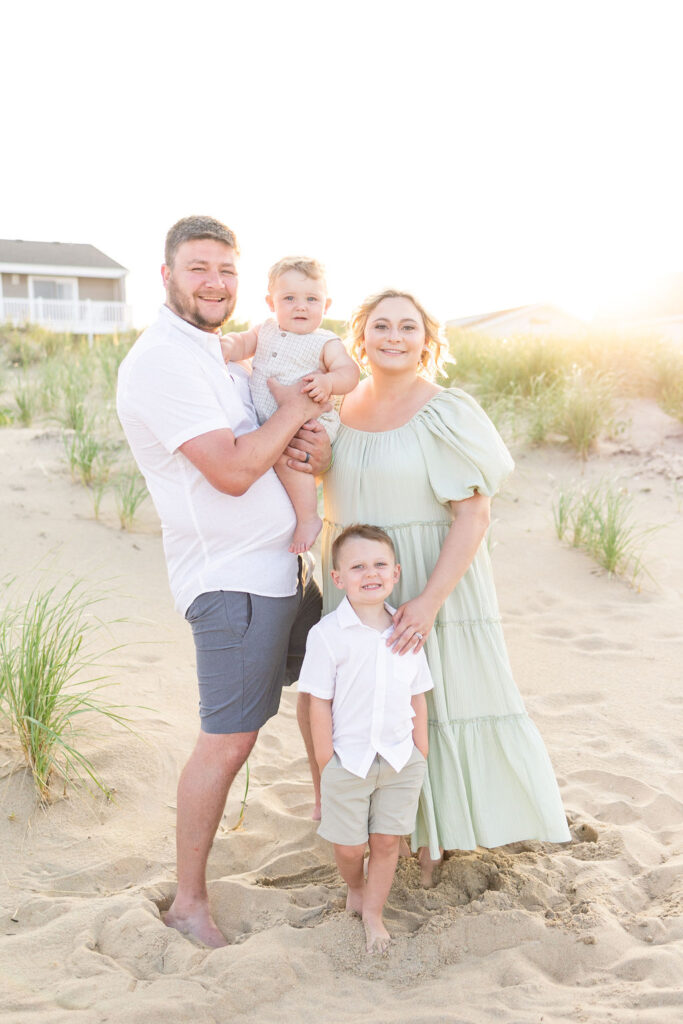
53	288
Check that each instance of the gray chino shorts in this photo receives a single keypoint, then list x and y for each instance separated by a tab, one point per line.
247	647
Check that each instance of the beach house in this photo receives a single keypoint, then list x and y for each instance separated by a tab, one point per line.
62	286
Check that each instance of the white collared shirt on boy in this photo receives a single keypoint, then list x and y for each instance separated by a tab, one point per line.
370	687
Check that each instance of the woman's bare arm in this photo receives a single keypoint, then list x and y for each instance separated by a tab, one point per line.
471	518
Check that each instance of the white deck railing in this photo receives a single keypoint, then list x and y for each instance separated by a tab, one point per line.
83	317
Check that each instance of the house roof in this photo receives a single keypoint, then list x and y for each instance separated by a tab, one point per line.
56	254
481	319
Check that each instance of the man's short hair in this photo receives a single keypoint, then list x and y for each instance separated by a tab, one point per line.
365	532
303	264
189	228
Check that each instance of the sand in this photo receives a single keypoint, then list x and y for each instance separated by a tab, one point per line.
589	931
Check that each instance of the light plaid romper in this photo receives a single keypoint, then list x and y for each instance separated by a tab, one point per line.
288	357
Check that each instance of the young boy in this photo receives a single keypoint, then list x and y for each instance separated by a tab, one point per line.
294	347
368	722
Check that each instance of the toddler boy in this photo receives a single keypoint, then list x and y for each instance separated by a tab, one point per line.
293	346
368	722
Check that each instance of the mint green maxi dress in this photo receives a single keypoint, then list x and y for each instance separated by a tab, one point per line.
489	779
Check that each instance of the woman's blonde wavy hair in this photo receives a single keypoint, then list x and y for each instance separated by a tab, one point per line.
435	352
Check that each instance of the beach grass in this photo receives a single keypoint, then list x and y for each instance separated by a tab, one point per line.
586	408
544	389
26	400
130	491
44	650
600	521
88	454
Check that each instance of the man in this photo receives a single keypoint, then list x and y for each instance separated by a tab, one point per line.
226	523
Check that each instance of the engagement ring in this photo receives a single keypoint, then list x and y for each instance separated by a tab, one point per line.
420	636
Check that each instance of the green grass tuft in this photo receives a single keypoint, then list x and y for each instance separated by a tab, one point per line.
44	649
599	520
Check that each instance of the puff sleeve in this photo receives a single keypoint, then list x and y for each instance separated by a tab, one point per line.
462	449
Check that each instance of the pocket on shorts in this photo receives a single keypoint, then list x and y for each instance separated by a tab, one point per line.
201	604
238	612
229	610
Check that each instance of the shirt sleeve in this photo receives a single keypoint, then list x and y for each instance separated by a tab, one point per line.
423	677
318	671
173	398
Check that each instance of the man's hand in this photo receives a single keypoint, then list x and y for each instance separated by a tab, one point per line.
291	394
311	440
318	386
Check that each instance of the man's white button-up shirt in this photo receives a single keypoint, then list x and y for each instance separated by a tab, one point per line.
173	386
370	688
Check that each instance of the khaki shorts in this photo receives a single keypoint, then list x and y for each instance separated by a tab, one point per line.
385	802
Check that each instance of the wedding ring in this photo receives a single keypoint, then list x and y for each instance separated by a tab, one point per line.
420	636
308	457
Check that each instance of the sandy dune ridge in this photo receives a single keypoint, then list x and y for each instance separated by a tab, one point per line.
591	931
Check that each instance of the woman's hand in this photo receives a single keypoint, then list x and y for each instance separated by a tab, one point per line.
413	622
312	441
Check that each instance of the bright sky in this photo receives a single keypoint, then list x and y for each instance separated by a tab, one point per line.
483	154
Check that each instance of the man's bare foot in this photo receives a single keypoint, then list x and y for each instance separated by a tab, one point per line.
198	925
354	901
427	866
377	938
304	535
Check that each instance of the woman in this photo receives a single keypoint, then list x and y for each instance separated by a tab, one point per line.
423	462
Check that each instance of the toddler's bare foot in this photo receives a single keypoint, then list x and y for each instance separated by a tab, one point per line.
427	866
196	924
377	938
305	534
354	901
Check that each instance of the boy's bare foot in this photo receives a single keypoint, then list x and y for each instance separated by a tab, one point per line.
354	901
305	534
377	938
427	866
197	925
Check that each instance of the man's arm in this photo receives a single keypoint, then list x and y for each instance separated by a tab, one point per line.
232	464
312	440
321	729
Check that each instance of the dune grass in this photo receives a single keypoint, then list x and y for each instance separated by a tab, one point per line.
600	521
566	389
26	399
44	650
130	491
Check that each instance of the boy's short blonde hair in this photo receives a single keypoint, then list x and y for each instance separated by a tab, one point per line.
435	353
303	264
365	531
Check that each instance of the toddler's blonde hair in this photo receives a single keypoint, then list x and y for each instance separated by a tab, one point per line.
303	264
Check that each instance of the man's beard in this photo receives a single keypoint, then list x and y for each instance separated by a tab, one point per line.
191	314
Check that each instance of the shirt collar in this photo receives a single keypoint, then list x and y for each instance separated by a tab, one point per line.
346	617
208	340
